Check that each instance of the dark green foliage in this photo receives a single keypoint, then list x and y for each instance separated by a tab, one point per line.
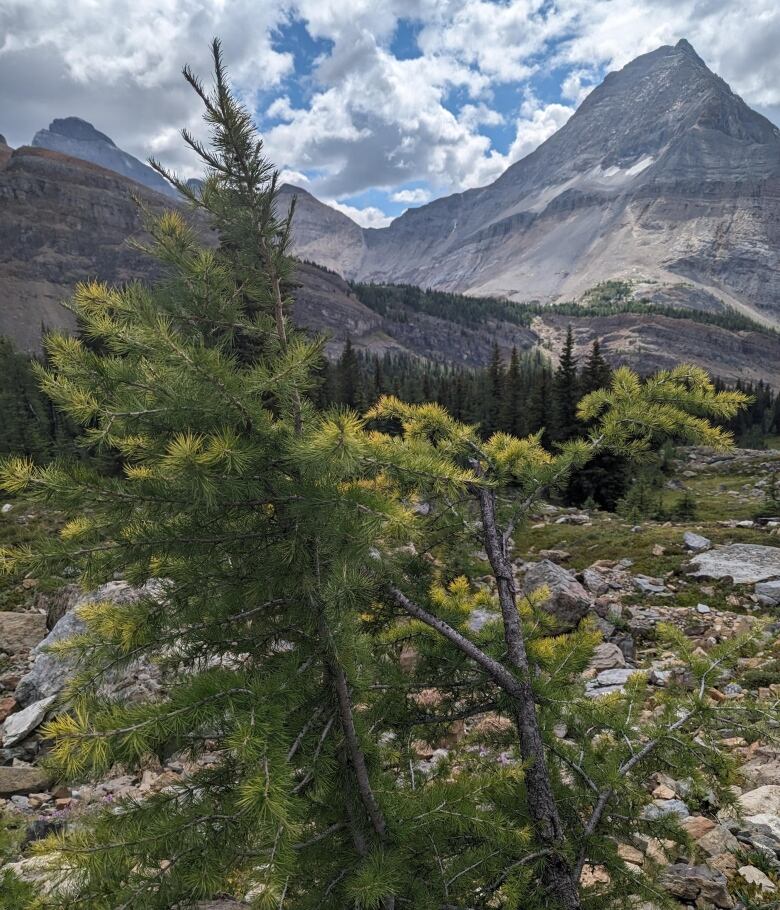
610	298
566	394
685	508
29	424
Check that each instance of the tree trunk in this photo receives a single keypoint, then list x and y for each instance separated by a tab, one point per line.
558	874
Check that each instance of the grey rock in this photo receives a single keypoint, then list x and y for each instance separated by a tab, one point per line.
768	593
22	781
21	631
757	878
697	883
568	601
17	726
743	563
594	691
718	840
649	585
616	677
50	672
595	582
696	541
607	656
703	609
662	807
764	767
480	617
764	799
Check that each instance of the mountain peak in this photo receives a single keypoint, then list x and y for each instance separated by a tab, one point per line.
78	129
79	139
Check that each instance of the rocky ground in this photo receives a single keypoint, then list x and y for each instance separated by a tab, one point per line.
713	577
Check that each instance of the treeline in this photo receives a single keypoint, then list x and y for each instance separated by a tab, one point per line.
29	422
520	394
610	298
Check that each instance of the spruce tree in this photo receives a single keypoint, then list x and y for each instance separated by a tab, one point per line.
566	394
494	392
348	377
512	418
596	373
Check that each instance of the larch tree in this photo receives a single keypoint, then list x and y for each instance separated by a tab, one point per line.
197	389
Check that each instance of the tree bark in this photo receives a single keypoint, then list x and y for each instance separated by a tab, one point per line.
354	754
558	874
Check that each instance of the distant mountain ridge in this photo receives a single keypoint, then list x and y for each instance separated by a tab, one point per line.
64	220
663	176
79	139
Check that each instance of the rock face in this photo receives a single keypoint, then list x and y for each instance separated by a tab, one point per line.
21	631
696	541
743	563
50	672
768	593
568	601
663	176
63	218
79	139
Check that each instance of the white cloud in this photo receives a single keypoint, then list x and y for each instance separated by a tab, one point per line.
539	122
411	197
296	178
118	64
369	217
362	118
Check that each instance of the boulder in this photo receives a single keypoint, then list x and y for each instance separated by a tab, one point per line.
696	541
21	631
742	563
764	799
50	672
595	582
568	601
757	878
607	656
18	726
718	840
618	677
766	821
697	883
764	767
21	781
659	808
768	593
697	826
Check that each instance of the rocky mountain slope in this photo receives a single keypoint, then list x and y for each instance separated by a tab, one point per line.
662	174
63	219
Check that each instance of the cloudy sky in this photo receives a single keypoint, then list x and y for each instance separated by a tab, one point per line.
373	105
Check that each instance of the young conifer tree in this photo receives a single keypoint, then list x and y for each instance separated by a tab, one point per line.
575	794
196	387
